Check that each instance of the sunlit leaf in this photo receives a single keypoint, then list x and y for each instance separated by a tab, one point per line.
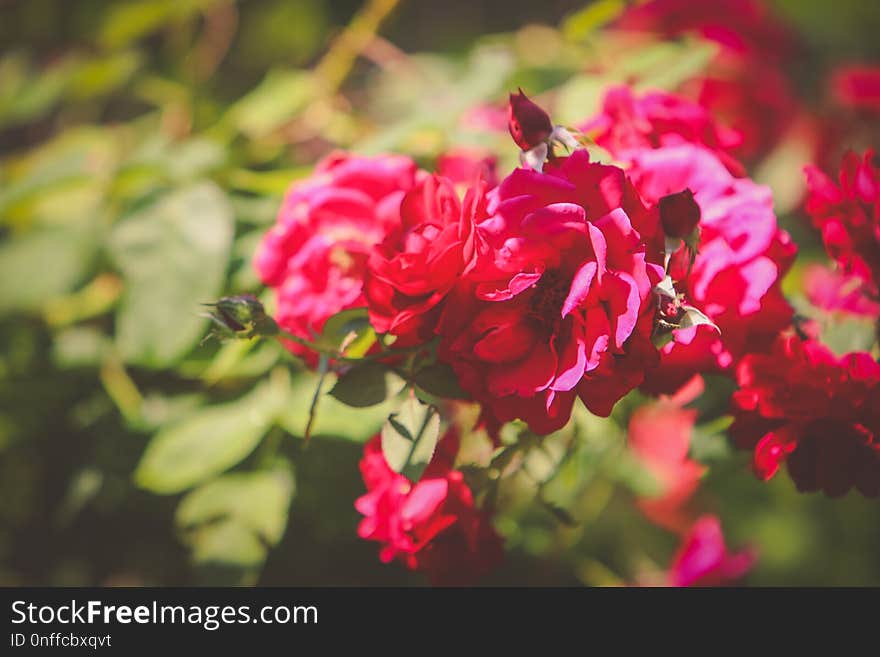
440	380
210	441
42	265
366	384
173	258
277	99
334	419
584	22
409	438
235	518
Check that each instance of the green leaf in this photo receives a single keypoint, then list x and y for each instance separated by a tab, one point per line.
209	442
43	265
709	441
629	471
366	384
27	94
440	380
847	333
334	419
584	22
274	102
409	438
562	515
227	543
79	346
272	183
343	327
173	257
99	76
235	518
667	65
126	22
194	157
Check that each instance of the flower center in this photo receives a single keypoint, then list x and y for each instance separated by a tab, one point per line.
550	293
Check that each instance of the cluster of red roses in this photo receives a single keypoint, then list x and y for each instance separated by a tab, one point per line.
570	278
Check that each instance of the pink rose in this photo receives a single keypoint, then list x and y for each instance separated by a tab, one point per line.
735	279
315	257
431	526
655	119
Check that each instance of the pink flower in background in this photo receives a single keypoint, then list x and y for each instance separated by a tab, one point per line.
486	118
414	268
735	279
744	27
755	100
433	525
659	437
848	215
802	405
744	84
315	256
704	560
857	87
559	302
627	122
833	291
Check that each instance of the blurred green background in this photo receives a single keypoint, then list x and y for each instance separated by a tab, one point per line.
145	148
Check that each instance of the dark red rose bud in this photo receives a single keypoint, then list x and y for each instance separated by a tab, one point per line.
529	125
679	214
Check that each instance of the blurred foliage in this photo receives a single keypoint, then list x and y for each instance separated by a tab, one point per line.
145	148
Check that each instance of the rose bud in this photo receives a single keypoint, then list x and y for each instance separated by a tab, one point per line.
679	213
241	316
529	125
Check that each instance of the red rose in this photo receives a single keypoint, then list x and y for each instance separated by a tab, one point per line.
529	125
857	87
848	214
315	256
559	300
418	263
821	414
432	526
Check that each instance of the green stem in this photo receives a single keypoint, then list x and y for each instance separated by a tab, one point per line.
345	359
323	367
